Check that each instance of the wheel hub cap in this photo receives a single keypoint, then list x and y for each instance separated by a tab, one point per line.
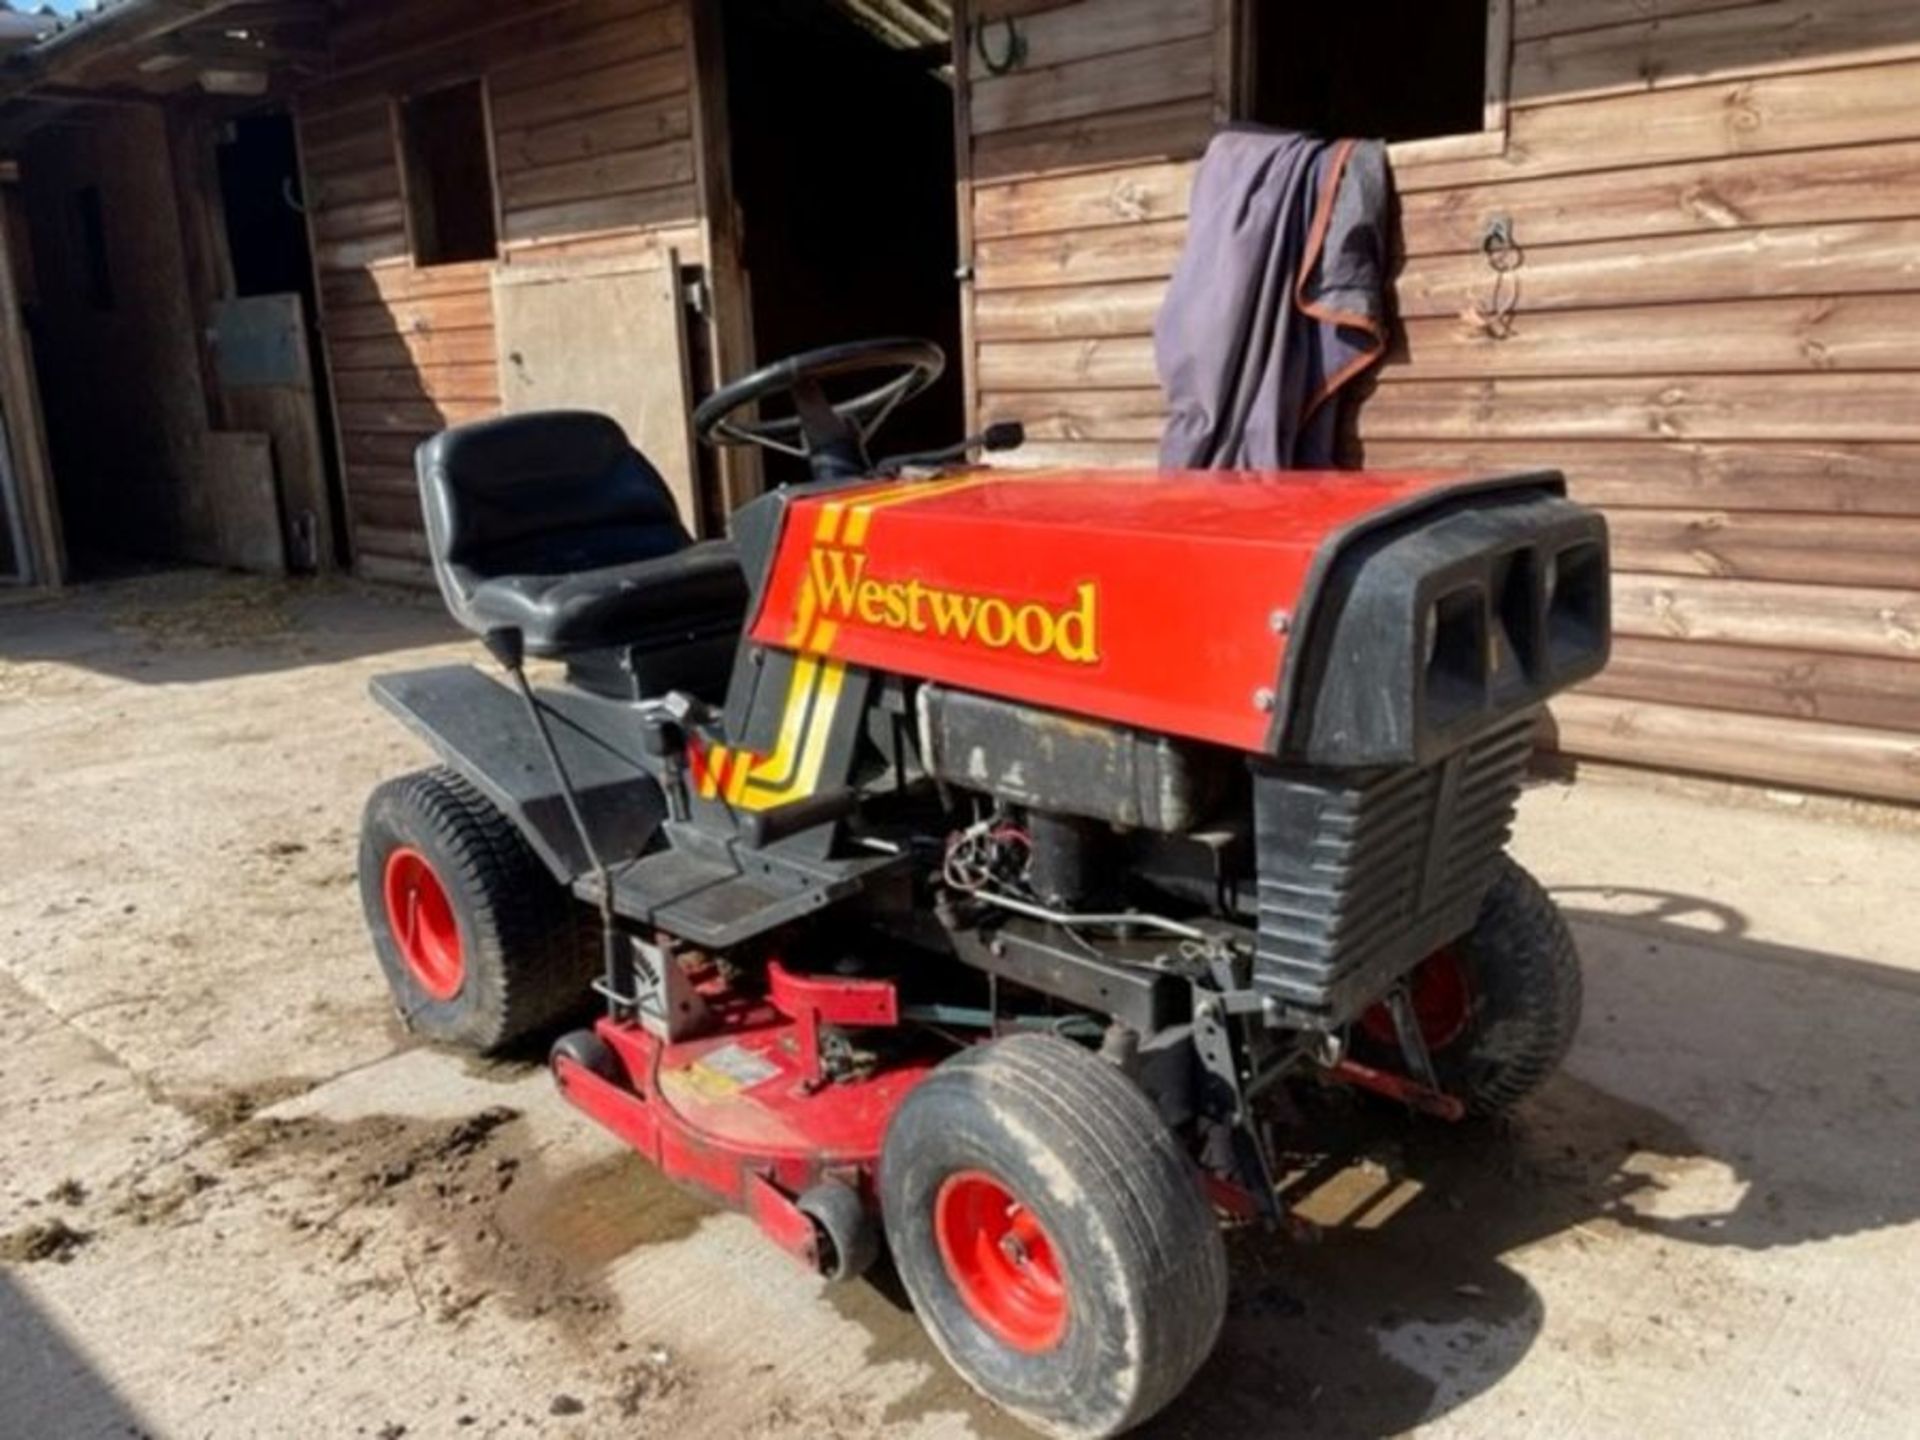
1001	1261
420	916
1442	1002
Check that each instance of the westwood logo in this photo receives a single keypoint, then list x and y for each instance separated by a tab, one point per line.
843	591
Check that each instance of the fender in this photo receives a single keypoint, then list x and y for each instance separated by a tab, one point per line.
479	730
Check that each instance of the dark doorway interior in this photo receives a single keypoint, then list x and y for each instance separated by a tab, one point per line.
843	168
260	192
112	330
270	252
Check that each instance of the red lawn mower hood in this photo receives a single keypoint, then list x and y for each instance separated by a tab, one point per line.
1166	601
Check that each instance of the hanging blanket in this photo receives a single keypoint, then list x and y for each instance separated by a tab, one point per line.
1279	300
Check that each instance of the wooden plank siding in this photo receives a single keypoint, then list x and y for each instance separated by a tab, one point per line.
1716	333
590	109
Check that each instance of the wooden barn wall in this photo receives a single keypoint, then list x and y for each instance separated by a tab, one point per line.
1717	332
592	133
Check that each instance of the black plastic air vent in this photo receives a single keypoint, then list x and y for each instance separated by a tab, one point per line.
1429	633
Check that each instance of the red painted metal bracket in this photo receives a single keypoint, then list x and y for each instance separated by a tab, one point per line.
1399	1087
811	1001
614	1106
774	1211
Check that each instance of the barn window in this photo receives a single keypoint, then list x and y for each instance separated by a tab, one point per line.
448	165
1397	70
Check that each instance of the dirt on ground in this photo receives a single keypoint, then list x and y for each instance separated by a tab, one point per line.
237	1200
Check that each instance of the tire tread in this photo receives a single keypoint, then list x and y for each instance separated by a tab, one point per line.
527	928
1541	979
1103	1126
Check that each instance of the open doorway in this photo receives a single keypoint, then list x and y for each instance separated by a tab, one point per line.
260	194
271	255
112	328
843	170
172	346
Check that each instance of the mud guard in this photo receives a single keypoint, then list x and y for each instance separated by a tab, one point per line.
480	730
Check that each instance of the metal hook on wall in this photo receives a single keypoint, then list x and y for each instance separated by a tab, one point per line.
1016	49
1504	257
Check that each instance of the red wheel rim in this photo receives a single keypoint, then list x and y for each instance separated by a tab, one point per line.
1442	1002
1002	1261
421	918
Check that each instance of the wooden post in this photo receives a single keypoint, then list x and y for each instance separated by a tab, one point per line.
963	208
729	296
46	557
1499	65
1232	60
323	388
203	240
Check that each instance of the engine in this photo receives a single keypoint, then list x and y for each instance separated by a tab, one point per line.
1367	834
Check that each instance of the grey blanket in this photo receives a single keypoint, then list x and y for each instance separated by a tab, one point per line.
1279	300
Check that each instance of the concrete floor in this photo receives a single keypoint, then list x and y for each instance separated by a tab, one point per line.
235	1202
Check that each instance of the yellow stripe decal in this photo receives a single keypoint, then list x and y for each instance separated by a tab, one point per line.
809	725
773	768
803	618
792	771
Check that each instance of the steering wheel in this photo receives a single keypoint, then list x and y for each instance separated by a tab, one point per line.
822	430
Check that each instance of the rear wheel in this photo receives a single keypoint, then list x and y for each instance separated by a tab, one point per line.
1053	1235
480	945
1499	1007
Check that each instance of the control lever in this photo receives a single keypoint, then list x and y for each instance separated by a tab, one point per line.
664	727
508	645
1001	435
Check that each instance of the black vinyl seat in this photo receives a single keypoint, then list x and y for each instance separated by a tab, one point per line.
552	523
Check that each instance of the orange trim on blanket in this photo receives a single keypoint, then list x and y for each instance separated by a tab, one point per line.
1352	320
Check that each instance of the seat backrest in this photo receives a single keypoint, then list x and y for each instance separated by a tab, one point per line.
541	493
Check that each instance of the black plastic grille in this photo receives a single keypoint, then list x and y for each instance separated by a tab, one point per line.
1362	877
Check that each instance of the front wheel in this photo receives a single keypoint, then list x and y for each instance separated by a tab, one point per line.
1499	1007
1053	1236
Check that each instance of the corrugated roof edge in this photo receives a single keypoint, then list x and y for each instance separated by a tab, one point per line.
60	25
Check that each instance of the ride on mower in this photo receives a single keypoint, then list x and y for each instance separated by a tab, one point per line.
960	856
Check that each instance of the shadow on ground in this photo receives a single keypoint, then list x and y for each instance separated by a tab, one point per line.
47	1387
188	626
1726	1093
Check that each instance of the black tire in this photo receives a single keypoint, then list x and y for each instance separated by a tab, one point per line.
525	955
1523	975
1131	1239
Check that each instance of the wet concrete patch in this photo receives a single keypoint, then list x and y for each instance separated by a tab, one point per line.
486	1218
592	1216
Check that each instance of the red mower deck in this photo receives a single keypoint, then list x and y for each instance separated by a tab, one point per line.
745	1113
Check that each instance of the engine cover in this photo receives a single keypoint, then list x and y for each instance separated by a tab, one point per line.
1179	603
